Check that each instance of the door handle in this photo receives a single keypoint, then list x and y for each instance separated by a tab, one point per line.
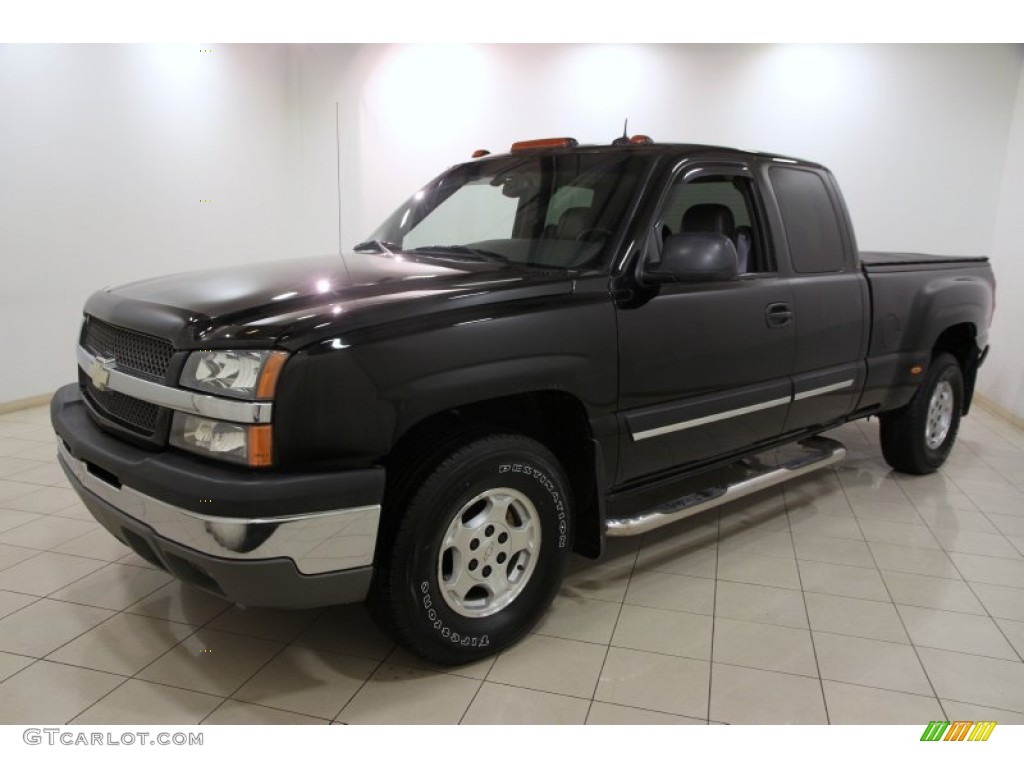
778	314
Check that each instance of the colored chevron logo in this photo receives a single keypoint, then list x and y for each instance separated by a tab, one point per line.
958	730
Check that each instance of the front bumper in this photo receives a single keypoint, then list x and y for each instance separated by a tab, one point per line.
257	538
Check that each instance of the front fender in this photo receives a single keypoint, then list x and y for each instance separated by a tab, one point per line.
353	398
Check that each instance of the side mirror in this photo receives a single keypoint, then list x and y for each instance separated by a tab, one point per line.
692	257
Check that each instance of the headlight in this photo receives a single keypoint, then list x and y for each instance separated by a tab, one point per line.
248	444
247	375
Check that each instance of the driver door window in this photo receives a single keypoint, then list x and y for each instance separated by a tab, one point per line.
722	205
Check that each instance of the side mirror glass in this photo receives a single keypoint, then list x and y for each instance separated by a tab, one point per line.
692	257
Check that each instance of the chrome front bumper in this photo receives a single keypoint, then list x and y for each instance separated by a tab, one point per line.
317	542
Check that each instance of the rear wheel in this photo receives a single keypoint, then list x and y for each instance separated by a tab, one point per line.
479	552
918	438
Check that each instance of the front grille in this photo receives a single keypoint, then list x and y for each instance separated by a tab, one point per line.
131	413
134	352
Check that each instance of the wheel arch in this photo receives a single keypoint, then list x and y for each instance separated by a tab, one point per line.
961	341
555	418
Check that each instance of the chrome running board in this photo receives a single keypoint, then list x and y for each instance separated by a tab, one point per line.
749	476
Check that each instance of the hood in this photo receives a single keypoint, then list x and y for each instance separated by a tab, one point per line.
295	302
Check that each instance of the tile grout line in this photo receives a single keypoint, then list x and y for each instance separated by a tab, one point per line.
615	626
326	721
125	682
987	706
379	663
970	584
109	618
803	593
195	630
202	721
49	516
633	571
714	610
899	616
84	605
259	668
591	701
985	461
472	699
126	677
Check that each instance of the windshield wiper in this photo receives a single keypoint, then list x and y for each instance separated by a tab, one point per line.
381	246
463	251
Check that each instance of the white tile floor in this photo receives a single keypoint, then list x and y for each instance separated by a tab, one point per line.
855	595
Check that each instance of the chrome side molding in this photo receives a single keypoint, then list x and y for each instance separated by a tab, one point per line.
723	415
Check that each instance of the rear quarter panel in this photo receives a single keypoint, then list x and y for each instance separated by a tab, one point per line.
912	304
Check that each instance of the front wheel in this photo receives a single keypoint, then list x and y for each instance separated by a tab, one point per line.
918	438
479	553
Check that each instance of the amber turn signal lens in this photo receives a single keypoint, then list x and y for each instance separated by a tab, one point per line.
268	376
261	446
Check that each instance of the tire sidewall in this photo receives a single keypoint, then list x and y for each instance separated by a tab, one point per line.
533	472
946	369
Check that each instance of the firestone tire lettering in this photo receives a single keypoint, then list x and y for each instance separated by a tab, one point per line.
425	594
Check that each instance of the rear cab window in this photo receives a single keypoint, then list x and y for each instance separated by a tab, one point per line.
809	219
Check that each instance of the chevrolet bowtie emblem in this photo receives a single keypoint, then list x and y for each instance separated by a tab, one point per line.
99	372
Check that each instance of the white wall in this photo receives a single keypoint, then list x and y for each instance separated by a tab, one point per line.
105	154
916	134
112	147
1002	377
919	136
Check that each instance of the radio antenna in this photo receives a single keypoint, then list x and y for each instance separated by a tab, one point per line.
337	146
337	149
624	138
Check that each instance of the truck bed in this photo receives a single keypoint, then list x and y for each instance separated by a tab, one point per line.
873	261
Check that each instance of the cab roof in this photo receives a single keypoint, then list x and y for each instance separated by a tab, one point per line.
640	144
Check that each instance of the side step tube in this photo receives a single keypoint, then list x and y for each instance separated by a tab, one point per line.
817	453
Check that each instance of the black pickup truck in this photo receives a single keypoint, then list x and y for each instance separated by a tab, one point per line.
538	350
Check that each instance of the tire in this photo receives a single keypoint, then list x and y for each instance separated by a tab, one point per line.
917	438
479	553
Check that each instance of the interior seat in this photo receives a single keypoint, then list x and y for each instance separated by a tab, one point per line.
744	239
572	223
708	217
718	218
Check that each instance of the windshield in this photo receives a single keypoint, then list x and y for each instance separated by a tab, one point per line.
557	210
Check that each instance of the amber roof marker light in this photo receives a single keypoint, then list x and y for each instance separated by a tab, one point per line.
639	140
480	153
523	146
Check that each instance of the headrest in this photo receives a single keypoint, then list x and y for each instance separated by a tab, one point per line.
708	217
